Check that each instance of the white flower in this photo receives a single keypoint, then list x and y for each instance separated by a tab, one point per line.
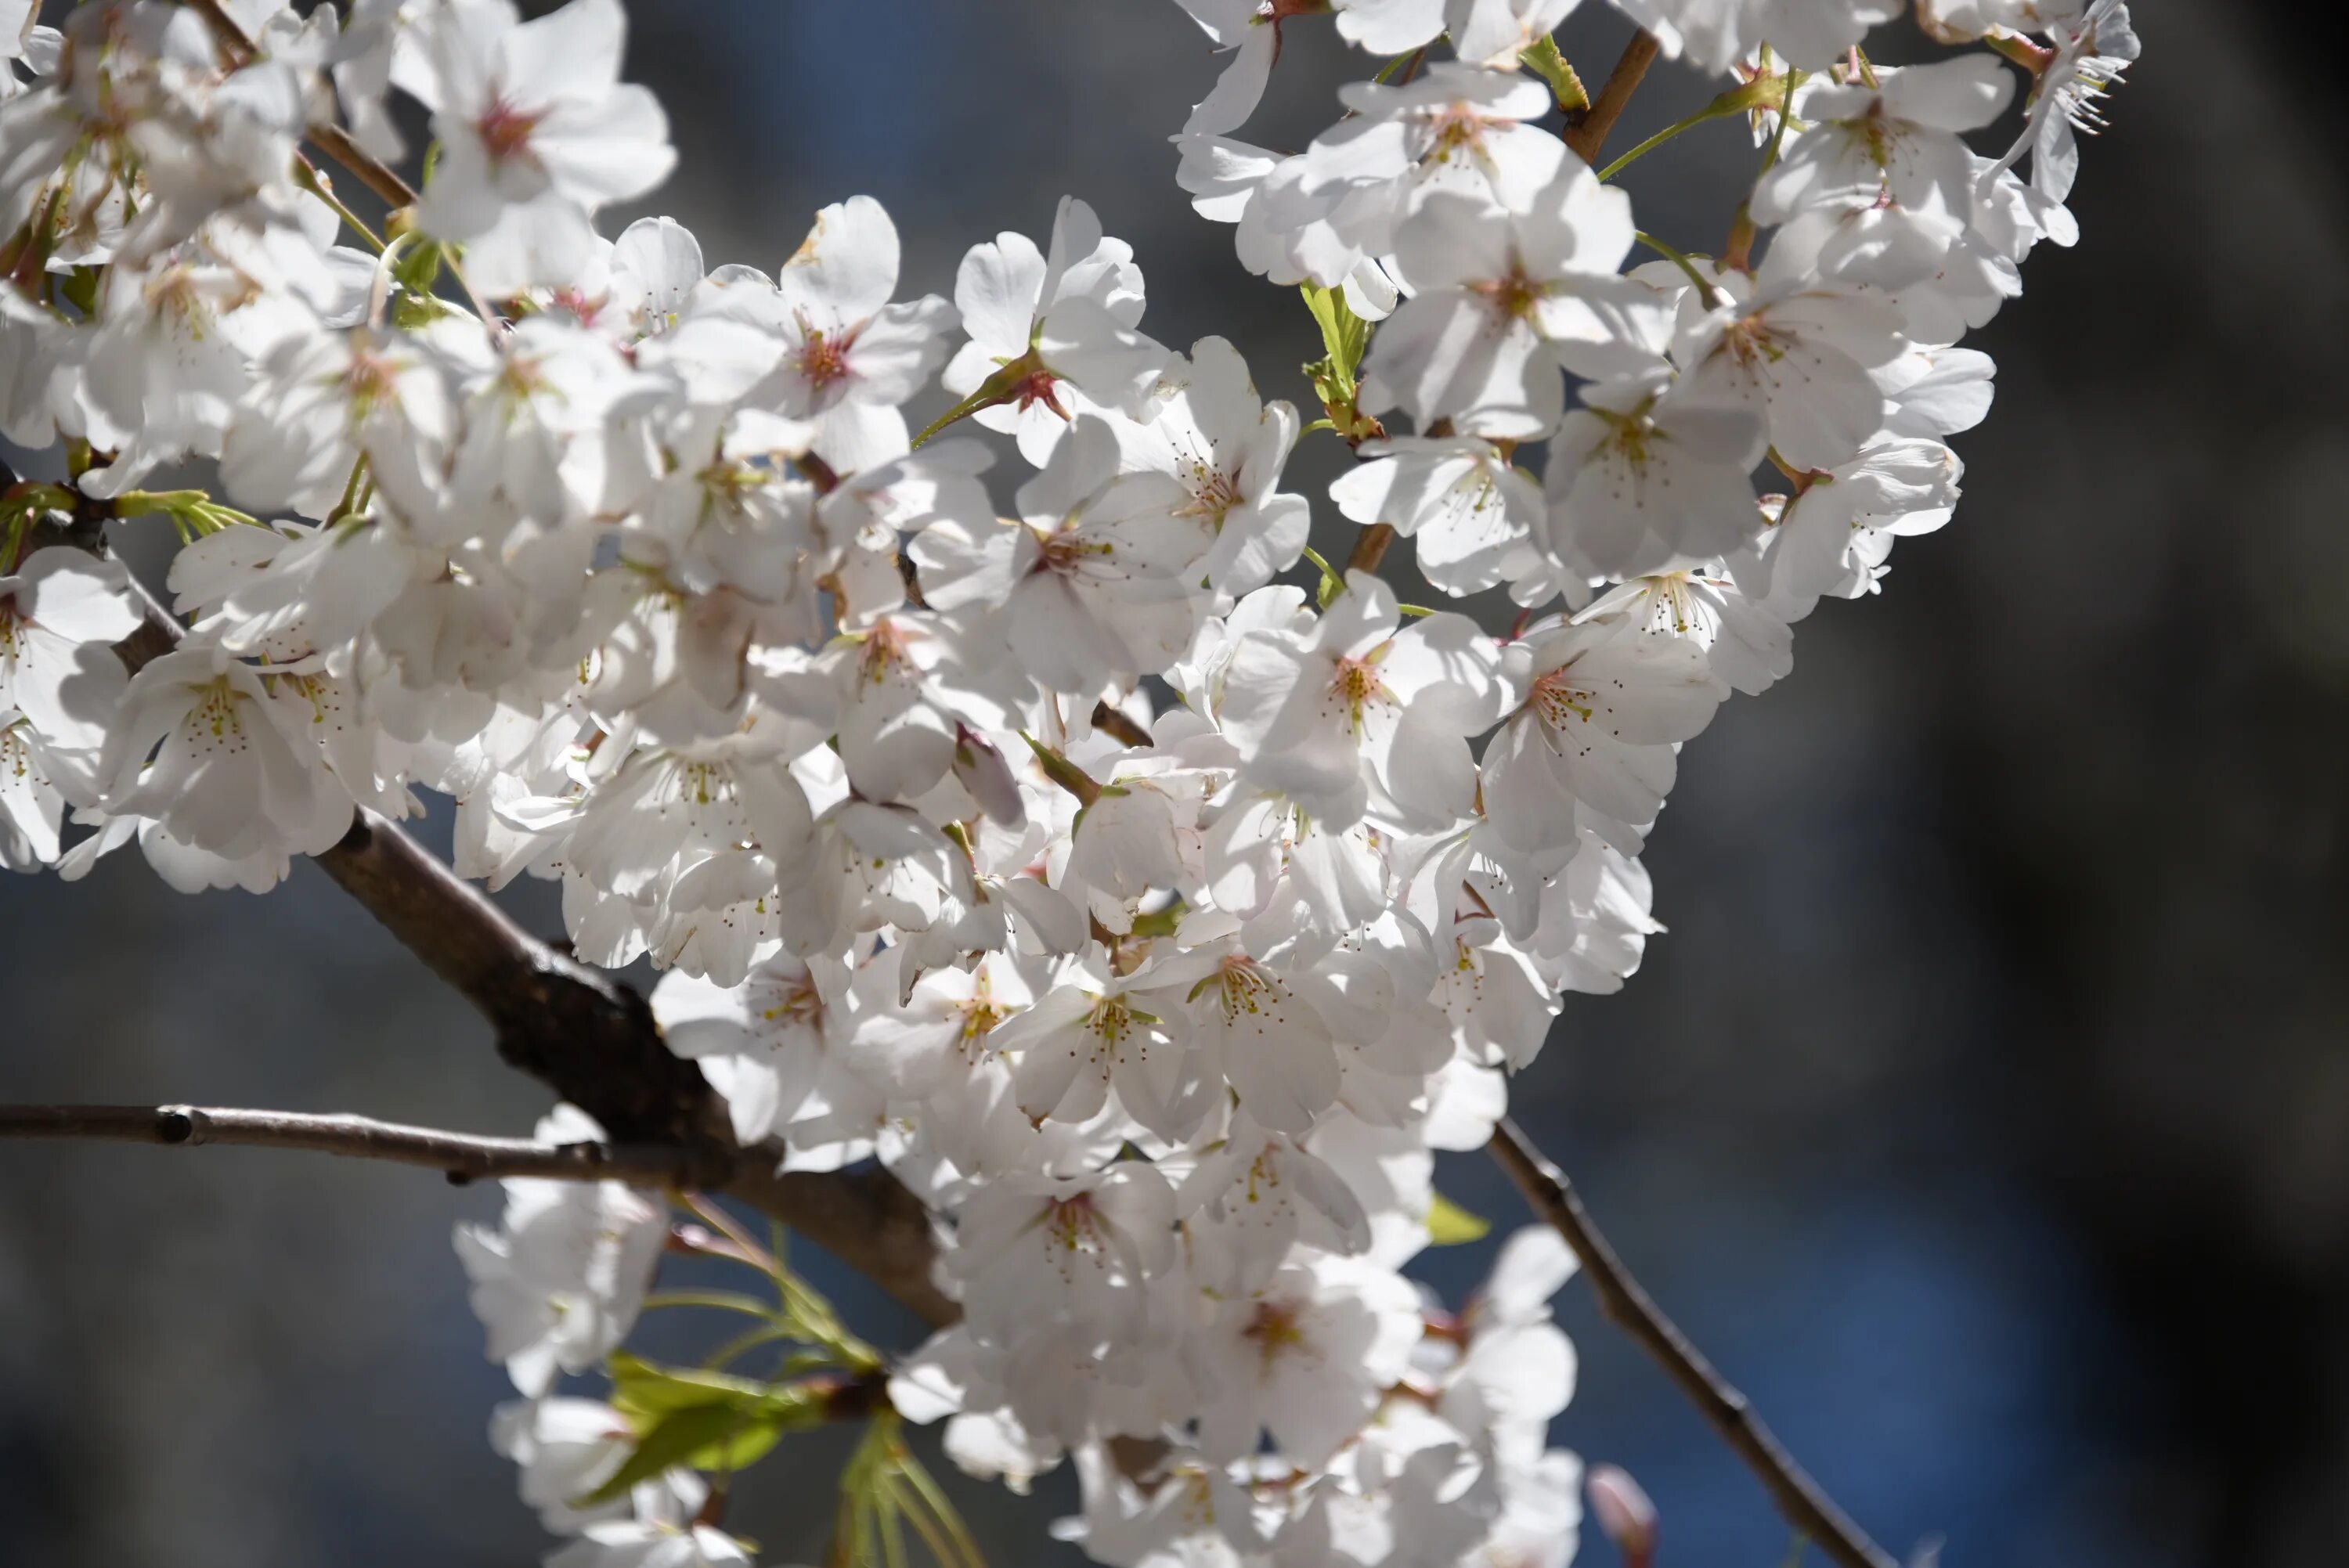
1605	708
1363	690
1068	1256
32	807
1796	353
1306	1359
930	1039
777	1045
1714	35
169	361
560	1281
564	1449
60	614
318	401
1225	446
1098	584
1499	1005
537	131
1241	29
1455	128
1494	33
1094	1032
233	770
1496	288
1748	646
1261	1193
1833	539
842	340
2092	49
663	1532
1389	27
1517	1369
1470	512
1892	144
1046	324
1643	476
1262	1032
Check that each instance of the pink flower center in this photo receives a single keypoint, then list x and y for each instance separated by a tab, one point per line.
1560	700
823	357
504	130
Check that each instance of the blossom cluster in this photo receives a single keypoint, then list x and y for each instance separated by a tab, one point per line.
1154	915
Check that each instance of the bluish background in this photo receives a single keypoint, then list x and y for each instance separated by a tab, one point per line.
1982	1114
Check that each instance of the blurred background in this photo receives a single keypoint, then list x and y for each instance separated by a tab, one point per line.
1985	1112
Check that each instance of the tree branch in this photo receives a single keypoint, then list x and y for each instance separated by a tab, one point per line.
591	1039
464	1157
1370	547
1798	1497
1586	132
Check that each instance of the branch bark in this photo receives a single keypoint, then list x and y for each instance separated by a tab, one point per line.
1370	547
461	1156
1588	132
1620	1297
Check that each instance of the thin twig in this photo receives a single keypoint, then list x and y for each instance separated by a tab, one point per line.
1798	1497
463	1157
337	143
1588	132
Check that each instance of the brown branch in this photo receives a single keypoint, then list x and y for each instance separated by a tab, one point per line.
464	1157
591	1039
1586	132
1370	547
1113	722
1798	1497
337	143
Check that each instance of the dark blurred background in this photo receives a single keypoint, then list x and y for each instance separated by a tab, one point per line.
1985	1112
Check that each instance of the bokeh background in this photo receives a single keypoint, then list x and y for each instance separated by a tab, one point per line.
1985	1111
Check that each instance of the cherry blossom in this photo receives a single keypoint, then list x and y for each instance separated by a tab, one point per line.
1150	908
1052	332
560	1279
536	132
1494	288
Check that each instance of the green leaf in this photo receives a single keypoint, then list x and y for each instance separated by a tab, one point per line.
707	1420
707	1436
1344	334
1545	61
412	312
641	1391
418	267
1346	337
1450	1225
80	289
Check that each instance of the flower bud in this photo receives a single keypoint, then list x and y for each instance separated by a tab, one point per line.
1623	1511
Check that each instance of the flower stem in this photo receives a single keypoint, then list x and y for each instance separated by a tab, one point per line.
306	175
1706	288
